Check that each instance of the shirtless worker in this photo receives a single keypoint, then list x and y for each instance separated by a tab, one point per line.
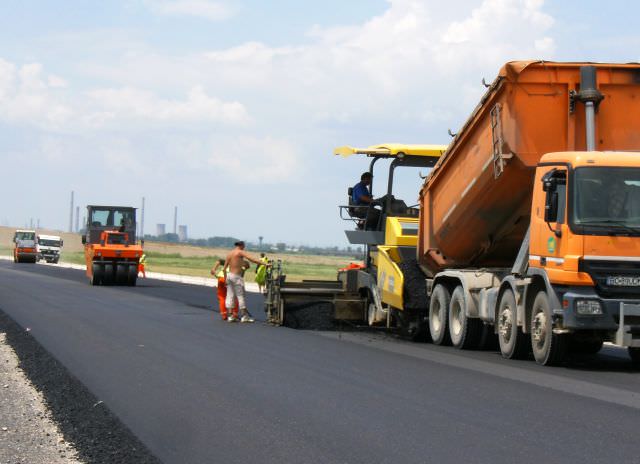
234	268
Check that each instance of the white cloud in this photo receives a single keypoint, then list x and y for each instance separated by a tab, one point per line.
251	159
131	103
205	9
27	97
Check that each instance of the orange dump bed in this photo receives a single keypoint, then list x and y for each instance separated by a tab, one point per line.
476	202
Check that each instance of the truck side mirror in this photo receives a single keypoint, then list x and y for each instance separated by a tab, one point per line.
551	206
84	240
61	242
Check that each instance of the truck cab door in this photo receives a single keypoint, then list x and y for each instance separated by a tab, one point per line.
549	218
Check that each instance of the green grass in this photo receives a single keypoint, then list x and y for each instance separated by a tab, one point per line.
174	263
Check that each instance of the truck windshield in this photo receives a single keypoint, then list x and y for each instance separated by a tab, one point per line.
607	200
49	242
25	235
111	217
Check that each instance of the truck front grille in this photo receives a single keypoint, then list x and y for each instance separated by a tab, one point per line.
601	271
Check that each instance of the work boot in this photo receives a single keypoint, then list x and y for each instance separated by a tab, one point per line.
233	318
247	318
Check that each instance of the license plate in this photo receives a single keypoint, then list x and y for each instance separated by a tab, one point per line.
623	281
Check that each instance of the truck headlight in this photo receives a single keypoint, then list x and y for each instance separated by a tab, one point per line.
588	307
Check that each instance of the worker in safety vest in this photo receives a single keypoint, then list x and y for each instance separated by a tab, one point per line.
141	263
261	272
218	273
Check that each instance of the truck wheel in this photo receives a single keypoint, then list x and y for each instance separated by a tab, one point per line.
548	348
97	273
122	276
465	332
107	278
132	275
438	315
513	343
634	354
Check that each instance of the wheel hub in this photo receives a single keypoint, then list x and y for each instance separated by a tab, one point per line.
538	331
505	324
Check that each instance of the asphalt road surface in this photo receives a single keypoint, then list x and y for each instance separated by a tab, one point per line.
195	389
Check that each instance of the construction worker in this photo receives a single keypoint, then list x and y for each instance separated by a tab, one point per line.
261	272
218	273
141	263
236	263
363	202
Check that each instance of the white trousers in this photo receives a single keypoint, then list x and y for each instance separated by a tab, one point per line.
235	289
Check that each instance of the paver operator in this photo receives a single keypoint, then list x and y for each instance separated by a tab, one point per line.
234	267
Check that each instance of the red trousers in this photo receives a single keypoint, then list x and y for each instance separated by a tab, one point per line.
141	269
222	296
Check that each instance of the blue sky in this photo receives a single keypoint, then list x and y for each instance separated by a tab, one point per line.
230	109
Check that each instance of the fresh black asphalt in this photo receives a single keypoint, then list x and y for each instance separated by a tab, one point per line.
195	389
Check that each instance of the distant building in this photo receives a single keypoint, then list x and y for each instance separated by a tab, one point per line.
161	229
182	233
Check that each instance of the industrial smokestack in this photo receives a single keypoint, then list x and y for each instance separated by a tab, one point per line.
175	220
71	214
77	218
142	219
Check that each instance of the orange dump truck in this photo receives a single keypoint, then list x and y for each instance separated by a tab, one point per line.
110	249
530	221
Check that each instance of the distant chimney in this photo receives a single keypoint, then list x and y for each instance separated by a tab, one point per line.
182	233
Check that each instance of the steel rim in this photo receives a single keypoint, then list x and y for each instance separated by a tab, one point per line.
539	329
505	324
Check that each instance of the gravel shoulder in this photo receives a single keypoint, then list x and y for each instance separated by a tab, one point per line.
48	417
27	431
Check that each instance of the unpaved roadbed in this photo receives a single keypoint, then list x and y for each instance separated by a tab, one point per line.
27	432
48	416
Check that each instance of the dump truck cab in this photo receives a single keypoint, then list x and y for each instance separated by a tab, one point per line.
49	248
585	242
111	252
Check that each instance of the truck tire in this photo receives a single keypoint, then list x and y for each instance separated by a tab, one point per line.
55	261
465	332
549	349
108	277
96	274
514	344
415	301
438	315
132	275
414	292
122	275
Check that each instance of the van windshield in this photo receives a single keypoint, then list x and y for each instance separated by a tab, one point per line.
607	200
